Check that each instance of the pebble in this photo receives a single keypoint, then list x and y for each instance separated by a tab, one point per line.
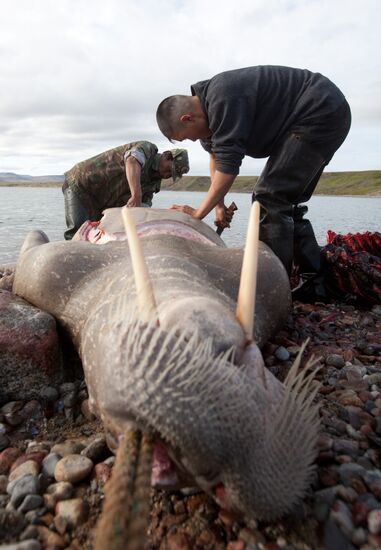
7	458
50	539
345	446
374	378
110	461
341	515
359	536
73	468
96	450
334	538
282	354
24	545
49	464
38	447
349	471
374	522
20	488
335	360
29	532
12	523
347	493
323	501
37	457
57	492
68	447
73	511
49	394
29	467
30	502
376	309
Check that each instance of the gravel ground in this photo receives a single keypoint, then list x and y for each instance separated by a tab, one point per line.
54	461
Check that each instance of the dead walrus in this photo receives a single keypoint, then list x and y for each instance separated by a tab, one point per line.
187	377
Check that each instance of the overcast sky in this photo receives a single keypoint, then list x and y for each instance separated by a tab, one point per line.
78	77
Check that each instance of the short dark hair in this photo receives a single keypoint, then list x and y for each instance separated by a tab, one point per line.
169	112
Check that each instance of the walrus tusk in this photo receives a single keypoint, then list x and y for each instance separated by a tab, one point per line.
248	281
144	289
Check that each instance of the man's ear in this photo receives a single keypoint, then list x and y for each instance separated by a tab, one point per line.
186	118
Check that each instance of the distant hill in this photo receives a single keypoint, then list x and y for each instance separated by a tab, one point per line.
10	179
365	183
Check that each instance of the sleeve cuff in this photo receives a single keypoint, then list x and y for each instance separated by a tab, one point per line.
138	155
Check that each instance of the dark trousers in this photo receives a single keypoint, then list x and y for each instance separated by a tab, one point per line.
289	179
76	213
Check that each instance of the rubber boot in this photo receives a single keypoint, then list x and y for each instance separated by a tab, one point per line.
277	231
308	259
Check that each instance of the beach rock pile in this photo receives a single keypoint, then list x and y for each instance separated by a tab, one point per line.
54	459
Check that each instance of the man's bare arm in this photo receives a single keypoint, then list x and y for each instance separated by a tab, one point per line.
133	173
220	185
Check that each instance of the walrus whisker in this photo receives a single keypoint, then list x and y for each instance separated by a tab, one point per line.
145	294
248	283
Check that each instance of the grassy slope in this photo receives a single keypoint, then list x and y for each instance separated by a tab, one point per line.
331	183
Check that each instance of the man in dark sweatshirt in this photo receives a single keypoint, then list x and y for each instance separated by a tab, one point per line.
293	116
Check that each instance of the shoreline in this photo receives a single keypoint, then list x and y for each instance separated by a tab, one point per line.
375	195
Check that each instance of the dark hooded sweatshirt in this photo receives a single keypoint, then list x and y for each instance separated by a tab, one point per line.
251	110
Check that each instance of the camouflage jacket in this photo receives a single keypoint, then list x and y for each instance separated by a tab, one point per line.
101	181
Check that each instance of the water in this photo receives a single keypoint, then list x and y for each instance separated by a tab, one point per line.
26	208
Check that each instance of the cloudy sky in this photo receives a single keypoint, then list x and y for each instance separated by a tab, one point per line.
80	76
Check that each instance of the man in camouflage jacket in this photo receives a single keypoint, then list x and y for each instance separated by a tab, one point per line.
126	175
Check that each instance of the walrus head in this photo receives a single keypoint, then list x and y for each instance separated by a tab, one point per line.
244	438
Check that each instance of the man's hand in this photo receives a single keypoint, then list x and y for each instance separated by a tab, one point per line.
134	201
224	215
184	208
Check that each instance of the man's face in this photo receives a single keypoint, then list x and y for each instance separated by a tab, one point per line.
165	167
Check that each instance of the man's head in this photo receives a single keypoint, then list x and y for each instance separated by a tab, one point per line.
181	117
174	163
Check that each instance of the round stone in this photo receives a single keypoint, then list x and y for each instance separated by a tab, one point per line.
49	464
74	511
30	502
67	447
282	354
30	544
36	457
61	490
49	394
335	360
20	488
7	458
73	468
97	449
28	467
374	522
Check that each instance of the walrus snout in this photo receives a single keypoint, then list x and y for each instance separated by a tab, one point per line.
206	316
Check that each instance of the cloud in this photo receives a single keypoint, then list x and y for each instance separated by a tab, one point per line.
77	78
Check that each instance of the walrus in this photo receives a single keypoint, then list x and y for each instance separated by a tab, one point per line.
189	377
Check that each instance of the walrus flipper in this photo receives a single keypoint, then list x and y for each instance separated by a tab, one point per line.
34	238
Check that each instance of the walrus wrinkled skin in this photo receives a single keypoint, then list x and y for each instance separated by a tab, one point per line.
191	381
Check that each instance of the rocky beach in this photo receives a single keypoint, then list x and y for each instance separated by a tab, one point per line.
55	462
